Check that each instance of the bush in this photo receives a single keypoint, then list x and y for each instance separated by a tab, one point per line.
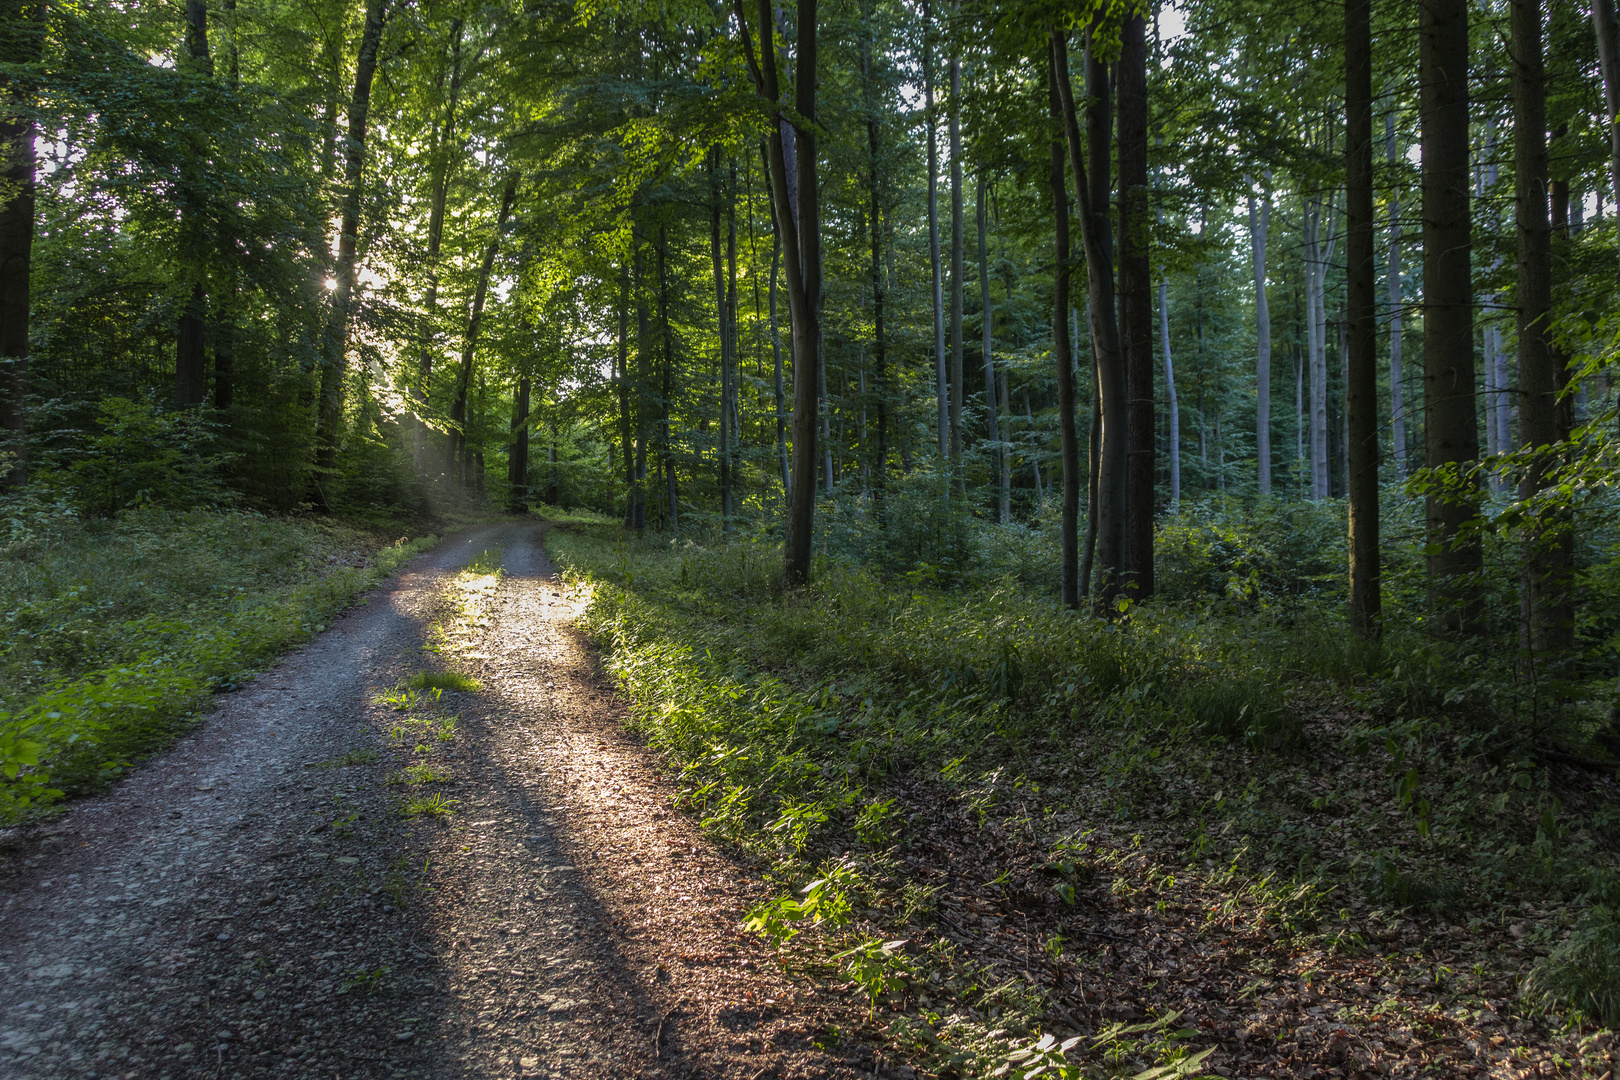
1582	973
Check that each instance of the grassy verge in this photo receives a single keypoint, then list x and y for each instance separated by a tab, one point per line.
117	632
1191	831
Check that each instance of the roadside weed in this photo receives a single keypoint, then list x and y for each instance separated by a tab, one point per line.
440	681
436	805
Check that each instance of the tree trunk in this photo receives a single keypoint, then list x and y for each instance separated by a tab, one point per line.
336	352
941	375
827	477
732	409
25	18
1170	394
1451	434
626	440
1547	625
639	518
1062	358
998	454
1035	462
776	352
456	437
553	497
518	471
1091	189
798	216
1259	228
1318	260
1361	322
725	339
190	354
444	151
1136	303
1607	28
958	374
1397	408
666	456
879	344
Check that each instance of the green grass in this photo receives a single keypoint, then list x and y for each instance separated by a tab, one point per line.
444	680
436	805
116	632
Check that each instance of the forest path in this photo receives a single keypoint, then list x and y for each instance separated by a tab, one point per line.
255	902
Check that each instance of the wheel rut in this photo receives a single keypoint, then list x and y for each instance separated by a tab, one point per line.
255	903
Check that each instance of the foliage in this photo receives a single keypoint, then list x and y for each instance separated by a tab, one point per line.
1582	973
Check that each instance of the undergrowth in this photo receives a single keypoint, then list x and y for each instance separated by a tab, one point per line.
117	631
1297	782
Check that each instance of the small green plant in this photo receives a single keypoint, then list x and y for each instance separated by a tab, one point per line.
876	822
360	979
442	681
797	822
424	774
826	903
877	966
435	805
445	729
1113	1047
1582	973
358	756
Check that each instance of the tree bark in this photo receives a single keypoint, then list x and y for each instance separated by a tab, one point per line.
1397	407
639	481
776	351
1546	617
998	454
1607	28
444	152
1451	434
335	360
626	440
958	374
941	374
26	18
798	215
456	437
1136	304
1171	404
1361	322
1091	189
1259	228
1062	358
190	354
723	324
879	343
518	471
666	457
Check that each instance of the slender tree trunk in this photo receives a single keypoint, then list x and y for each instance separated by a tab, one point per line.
827	477
958	374
1546	615
1259	228
879	344
776	352
25	20
190	354
518	471
1451	433
626	440
1034	462
1062	358
1170	394
643	377
1607	28
1361	322
445	150
666	455
725	340
941	374
456	437
1092	187
1315	302
1397	408
336	352
733	409
552	495
1136	303
989	361
226	312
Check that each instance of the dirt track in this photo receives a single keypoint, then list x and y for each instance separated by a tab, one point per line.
253	902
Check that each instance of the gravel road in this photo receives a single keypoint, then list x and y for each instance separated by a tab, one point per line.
262	901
